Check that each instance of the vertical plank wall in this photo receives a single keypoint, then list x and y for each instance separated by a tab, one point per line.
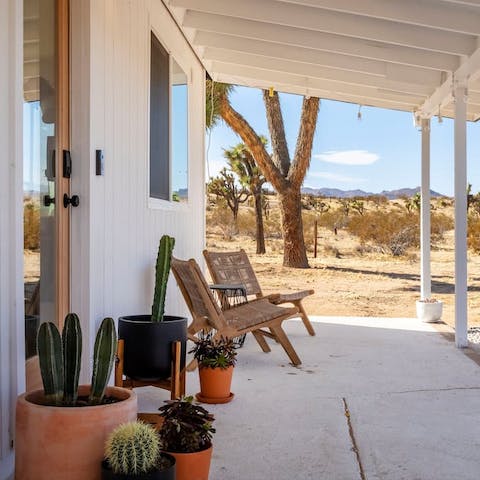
116	231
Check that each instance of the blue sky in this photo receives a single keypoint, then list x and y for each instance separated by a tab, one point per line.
380	152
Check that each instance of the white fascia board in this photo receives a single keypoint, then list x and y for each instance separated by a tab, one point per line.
306	18
306	86
470	3
325	42
437	15
312	73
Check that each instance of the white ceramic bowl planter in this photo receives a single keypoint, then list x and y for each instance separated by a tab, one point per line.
429	310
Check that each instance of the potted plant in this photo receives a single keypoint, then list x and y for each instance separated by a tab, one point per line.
132	452
186	434
216	358
148	338
61	430
429	310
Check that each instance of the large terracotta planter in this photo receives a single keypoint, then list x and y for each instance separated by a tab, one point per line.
193	466
215	383
66	443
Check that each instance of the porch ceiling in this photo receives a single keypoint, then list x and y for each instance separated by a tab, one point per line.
399	55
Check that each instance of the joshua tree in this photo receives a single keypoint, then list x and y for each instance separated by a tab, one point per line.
285	174
226	187
241	162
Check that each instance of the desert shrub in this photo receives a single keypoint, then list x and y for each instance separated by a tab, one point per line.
473	233
221	218
31	225
246	222
440	223
393	232
333	219
331	250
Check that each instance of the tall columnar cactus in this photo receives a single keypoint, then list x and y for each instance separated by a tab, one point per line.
49	345
103	358
162	271
72	353
133	449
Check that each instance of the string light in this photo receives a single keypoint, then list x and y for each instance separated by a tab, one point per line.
440	118
270	91
359	114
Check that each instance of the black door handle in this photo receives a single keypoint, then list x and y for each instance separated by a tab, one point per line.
48	200
74	200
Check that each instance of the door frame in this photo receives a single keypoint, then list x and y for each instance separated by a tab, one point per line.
62	185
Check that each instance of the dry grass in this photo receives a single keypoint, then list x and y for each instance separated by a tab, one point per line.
362	279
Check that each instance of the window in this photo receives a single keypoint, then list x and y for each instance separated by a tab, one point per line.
168	126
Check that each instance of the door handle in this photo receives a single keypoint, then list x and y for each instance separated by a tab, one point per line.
74	200
48	200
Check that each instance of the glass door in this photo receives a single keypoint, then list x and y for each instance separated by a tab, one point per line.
45	179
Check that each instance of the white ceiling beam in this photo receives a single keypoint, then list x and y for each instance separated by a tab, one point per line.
433	15
307	44
306	18
306	84
392	80
470	3
323	94
469	71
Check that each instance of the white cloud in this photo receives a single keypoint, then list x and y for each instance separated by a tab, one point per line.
348	157
334	177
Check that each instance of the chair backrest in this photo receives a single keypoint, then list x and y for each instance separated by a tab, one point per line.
233	268
196	293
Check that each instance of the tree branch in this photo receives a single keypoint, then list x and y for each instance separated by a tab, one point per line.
254	143
303	150
281	156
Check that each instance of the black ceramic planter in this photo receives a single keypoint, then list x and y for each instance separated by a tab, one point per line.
148	350
166	474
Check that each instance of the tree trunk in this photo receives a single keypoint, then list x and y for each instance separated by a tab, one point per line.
294	254
259	234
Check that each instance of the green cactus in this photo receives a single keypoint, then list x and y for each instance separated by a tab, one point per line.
162	271
72	353
49	345
103	357
133	449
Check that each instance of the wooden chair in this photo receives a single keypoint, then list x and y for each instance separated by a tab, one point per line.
235	267
175	384
254	316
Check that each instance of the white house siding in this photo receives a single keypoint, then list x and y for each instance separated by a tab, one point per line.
11	241
115	232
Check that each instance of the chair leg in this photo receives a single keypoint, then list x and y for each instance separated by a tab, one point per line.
305	319
261	341
287	346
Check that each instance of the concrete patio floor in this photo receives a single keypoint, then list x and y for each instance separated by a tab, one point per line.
375	398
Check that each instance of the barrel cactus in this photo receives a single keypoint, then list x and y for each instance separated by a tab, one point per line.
162	271
133	449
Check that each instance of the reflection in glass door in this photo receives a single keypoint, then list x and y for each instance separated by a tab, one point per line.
42	126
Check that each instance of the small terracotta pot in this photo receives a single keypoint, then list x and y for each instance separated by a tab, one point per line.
59	443
193	466
215	382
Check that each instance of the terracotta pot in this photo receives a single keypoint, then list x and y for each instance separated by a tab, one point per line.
60	443
215	382
193	466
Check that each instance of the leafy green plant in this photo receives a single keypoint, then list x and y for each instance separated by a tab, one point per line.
162	272
214	353
60	359
133	449
186	427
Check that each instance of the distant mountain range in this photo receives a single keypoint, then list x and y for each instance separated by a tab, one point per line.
390	194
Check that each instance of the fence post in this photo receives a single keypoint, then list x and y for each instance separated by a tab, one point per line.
315	241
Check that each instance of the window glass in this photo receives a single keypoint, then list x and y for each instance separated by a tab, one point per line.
179	134
159	121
